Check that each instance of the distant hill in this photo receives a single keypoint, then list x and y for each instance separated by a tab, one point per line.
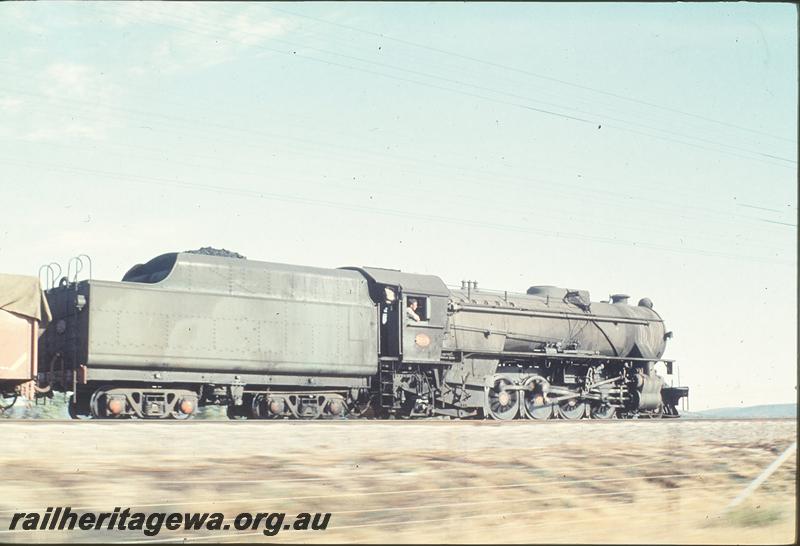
749	412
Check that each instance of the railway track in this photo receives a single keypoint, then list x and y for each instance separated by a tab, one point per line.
375	422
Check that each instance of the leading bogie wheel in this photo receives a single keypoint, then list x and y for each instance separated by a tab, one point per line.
571	409
601	410
657	413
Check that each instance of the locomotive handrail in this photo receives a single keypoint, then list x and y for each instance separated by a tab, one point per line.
551	314
513	335
50	274
489	291
520	354
79	265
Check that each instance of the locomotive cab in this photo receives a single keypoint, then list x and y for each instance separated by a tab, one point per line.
401	336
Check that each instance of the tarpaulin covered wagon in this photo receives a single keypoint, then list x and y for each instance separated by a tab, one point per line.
23	309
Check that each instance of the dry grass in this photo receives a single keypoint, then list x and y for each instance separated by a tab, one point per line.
389	482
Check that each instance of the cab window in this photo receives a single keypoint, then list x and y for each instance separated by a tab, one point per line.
419	306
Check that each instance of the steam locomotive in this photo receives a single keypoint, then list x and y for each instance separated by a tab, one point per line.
275	341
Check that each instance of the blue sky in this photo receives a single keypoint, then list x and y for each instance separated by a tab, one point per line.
639	148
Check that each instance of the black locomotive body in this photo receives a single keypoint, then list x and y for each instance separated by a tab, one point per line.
279	341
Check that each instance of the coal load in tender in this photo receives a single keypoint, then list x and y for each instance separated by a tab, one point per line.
211	251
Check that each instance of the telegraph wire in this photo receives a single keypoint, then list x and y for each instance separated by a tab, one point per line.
549	209
443	66
382	74
535	75
513	95
359	157
760	219
776	222
339	146
705	236
546	189
406	196
766	157
393	212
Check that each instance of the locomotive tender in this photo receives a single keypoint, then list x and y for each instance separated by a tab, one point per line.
271	341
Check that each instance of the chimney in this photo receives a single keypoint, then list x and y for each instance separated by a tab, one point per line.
621	299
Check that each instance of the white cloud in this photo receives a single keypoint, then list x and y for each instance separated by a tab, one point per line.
60	128
10	104
73	79
70	110
23	16
169	38
250	30
201	35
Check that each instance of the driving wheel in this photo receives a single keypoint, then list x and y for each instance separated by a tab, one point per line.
502	403
535	402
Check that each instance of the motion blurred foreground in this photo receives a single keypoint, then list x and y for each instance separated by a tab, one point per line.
430	481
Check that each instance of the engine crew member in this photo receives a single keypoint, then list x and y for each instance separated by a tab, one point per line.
411	310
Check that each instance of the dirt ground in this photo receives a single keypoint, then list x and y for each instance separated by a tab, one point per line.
644	482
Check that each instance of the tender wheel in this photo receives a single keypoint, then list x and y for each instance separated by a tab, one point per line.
335	407
571	409
535	403
236	413
103	405
502	403
602	411
94	405
266	406
74	411
184	409
257	407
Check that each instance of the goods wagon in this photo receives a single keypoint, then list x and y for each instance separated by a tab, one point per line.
23	309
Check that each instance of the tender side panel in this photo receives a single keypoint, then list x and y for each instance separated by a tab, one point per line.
303	326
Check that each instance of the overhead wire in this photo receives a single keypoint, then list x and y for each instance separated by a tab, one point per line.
513	95
775	222
593	122
392	212
491	90
448	67
683	207
534	74
543	213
